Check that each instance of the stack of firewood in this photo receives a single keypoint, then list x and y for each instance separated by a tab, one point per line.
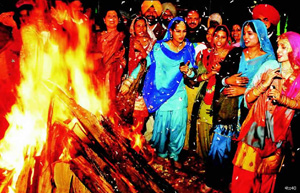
88	154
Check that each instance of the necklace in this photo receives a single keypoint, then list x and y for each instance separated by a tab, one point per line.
251	55
219	53
177	47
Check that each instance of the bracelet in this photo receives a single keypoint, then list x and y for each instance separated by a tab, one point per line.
204	76
284	100
261	88
224	81
127	82
130	79
255	92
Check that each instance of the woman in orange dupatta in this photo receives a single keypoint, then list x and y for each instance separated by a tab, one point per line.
265	132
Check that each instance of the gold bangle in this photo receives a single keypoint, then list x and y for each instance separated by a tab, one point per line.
202	76
261	88
127	82
283	100
130	79
255	92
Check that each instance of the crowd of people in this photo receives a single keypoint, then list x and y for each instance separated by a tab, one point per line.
228	92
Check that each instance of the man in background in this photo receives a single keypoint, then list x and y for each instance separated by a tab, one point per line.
151	10
195	31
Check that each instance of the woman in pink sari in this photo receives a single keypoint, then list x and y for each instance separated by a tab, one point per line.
265	132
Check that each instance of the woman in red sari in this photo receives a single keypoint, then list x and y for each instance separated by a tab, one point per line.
109	53
141	42
265	132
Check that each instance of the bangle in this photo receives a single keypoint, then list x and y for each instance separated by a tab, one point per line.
204	76
284	100
256	92
130	79
127	82
261	88
224	81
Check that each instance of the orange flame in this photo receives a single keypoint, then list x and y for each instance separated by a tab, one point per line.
47	55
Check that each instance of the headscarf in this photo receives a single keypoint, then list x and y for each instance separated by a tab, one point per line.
155	93
134	57
214	17
169	6
148	3
268	11
294	40
149	31
262	34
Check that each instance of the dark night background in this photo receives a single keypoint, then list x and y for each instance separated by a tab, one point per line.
232	11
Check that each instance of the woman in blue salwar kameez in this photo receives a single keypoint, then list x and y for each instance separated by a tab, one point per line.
164	91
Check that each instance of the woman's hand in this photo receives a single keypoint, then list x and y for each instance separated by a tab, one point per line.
237	80
269	76
124	89
125	85
274	94
185	68
233	91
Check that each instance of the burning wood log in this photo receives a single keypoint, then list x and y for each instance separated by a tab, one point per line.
111	156
104	160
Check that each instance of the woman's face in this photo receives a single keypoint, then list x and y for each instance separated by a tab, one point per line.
220	39
236	32
209	34
250	37
111	20
284	48
179	32
140	28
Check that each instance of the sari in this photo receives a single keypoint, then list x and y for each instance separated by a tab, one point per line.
266	130
109	68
